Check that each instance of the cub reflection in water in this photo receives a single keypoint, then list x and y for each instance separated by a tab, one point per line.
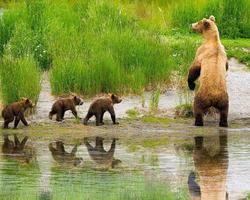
63	157
98	154
17	150
211	164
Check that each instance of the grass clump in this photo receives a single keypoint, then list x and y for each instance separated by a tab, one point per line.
154	119
19	77
154	100
132	113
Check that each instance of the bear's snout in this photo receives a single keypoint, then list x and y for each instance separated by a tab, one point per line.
194	26
81	102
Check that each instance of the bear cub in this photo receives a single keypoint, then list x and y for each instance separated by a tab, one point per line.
100	106
62	105
16	111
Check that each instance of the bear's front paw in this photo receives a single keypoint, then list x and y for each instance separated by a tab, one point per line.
191	86
116	123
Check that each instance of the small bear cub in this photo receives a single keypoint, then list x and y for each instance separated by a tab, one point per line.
100	106
16	111
62	105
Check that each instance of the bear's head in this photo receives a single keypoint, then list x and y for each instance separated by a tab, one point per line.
115	99
205	26
77	100
27	103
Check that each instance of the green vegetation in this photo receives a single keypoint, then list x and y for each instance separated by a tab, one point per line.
132	114
129	185
154	143
154	100
20	77
93	47
158	120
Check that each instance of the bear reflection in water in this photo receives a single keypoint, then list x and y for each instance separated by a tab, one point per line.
63	157
211	164
17	150
98	154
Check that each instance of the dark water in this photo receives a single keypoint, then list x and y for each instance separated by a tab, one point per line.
208	164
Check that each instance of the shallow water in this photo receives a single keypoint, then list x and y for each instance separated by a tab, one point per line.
72	164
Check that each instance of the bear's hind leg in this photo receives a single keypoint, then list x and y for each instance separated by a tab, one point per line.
98	119
6	123
59	116
198	114
223	117
102	118
62	115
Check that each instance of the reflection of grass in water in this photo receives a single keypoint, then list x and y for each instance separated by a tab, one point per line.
154	143
18	181
132	148
107	185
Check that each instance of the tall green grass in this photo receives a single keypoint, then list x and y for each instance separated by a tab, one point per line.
233	18
100	46
103	50
19	78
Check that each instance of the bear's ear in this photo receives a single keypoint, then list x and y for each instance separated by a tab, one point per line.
27	100
212	18
75	97
23	99
206	24
112	96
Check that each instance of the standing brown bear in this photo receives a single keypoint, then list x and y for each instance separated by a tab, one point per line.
100	106
210	64
16	111
62	105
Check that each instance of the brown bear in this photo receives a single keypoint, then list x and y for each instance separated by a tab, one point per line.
62	105
62	156
100	106
105	159
16	111
18	149
210	64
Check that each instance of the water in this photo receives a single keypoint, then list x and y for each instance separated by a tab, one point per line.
84	164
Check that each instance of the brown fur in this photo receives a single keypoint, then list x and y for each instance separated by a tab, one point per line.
211	167
100	155
16	111
210	64
61	156
100	106
62	105
17	149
